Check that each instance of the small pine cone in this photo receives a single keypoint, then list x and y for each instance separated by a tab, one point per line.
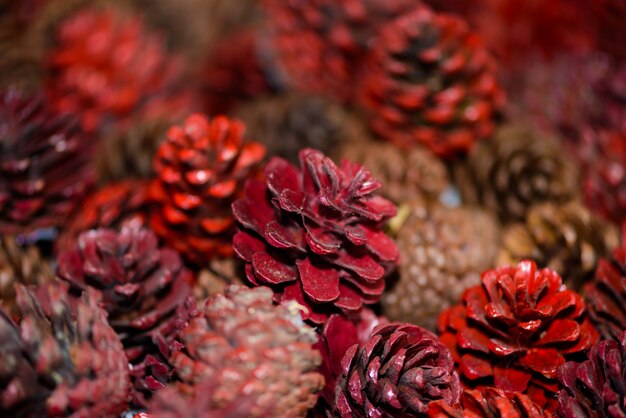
251	347
62	359
430	80
566	238
214	278
518	168
399	371
489	403
108	207
315	234
287	124
443	251
597	386
201	167
515	330
44	164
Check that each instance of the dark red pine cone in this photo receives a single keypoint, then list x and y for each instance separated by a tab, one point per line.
315	234
44	164
515	330
430	80
399	371
201	167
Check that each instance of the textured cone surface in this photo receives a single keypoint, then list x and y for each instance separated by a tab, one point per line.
201	167
314	234
518	168
251	349
398	372
443	251
44	164
215	278
62	359
566	238
516	329
431	81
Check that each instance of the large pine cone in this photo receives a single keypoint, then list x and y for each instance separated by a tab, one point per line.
518	168
253	349
443	251
431	81
44	164
566	238
515	330
397	373
315	234
62	360
201	167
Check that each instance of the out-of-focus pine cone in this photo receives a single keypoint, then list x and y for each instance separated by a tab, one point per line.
287	124
515	330
566	238
322	44
430	80
518	168
608	17
19	264
201	167
443	251
251	348
489	403
62	359
597	386
315	234
399	371
44	164
214	278
108	207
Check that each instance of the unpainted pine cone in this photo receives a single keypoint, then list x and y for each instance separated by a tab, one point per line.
214	278
566	238
519	167
443	251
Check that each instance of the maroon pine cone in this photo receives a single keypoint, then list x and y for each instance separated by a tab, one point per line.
399	371
515	330
430	80
44	164
315	234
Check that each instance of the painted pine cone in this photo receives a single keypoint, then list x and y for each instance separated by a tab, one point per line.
250	347
44	164
315	234
201	167
515	330
431	81
399	371
62	359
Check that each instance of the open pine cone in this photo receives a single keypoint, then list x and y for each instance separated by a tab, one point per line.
315	234
62	359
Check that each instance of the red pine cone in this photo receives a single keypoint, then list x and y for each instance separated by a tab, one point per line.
44	164
515	330
315	234
397	373
201	167
430	80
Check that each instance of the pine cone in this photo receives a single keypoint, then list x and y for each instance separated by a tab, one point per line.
62	360
44	170
566	238
430	80
215	278
595	387
443	251
489	403
201	167
315	234
397	373
515	330
518	168
250	347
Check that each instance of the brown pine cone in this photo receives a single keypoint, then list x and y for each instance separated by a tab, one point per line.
566	238
215	277
518	168
443	251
